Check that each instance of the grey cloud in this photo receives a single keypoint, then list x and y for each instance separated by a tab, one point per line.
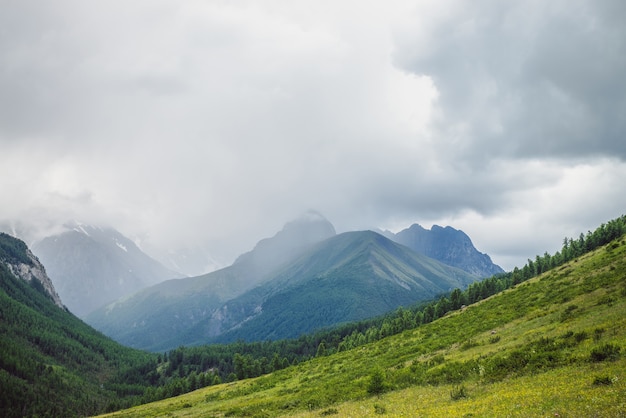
528	79
211	124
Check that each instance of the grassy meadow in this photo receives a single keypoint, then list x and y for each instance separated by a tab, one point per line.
552	346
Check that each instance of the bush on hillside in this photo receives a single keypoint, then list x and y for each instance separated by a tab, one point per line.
605	352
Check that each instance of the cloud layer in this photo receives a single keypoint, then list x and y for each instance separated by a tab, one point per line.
213	123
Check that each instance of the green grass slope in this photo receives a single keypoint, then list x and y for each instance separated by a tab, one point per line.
551	346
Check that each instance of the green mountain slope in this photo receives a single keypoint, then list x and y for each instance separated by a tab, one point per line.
51	363
550	346
155	315
346	278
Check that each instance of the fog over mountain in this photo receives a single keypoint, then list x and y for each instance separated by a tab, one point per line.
198	127
162	313
91	266
302	278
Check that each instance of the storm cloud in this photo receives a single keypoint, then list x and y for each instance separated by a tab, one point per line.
209	123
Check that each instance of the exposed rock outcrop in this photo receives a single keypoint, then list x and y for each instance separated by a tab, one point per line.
20	261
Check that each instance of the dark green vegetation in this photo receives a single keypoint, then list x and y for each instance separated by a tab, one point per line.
51	363
549	345
13	251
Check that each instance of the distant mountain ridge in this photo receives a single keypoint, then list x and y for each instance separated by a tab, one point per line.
296	235
273	290
91	266
348	277
171	308
448	245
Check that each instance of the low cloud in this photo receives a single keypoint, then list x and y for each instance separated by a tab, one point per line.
212	124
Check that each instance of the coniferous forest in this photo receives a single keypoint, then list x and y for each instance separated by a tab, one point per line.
52	364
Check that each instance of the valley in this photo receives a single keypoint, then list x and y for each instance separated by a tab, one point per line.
552	345
303	279
534	341
266	209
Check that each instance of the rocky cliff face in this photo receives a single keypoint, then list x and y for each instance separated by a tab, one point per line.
20	261
448	245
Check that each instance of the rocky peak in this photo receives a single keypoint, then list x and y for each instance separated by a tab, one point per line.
295	236
448	245
22	263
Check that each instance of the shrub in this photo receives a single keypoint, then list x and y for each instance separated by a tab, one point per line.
494	339
605	352
438	359
597	333
580	336
498	367
469	344
458	392
237	412
568	312
451	372
379	409
602	381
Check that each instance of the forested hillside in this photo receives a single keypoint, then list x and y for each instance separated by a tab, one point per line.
51	363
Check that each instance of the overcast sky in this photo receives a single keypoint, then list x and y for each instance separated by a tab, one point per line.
214	122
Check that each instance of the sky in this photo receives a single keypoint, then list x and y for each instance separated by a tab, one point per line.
210	124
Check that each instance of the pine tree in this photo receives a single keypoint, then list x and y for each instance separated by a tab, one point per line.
377	385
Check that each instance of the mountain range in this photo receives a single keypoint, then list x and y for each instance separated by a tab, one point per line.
163	312
304	278
92	266
346	278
